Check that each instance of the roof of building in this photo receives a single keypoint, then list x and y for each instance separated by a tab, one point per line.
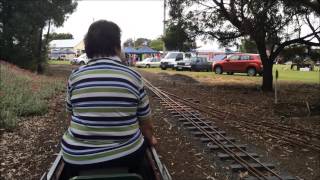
64	43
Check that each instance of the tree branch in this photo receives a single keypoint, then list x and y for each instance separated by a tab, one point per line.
300	40
312	28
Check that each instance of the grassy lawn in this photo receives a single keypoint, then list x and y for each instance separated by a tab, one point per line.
285	74
24	93
58	62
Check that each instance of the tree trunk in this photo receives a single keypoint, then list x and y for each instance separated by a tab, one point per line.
267	75
39	52
266	62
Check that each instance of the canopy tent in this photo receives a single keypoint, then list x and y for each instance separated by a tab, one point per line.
129	50
146	50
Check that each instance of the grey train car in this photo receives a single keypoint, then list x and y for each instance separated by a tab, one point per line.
151	168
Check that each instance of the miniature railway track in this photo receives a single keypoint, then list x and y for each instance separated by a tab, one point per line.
294	136
216	139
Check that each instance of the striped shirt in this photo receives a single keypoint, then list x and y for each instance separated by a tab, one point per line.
107	100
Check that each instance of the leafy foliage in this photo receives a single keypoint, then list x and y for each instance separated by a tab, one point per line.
177	35
54	36
22	24
142	42
176	38
128	43
248	46
292	52
157	44
137	43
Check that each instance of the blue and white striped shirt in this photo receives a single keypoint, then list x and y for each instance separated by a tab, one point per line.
107	100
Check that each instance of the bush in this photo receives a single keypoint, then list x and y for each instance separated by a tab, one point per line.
24	94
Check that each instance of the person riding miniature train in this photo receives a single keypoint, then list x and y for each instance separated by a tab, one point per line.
108	107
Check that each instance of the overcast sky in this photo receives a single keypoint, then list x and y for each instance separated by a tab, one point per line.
136	18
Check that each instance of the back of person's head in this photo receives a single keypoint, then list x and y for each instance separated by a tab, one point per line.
103	39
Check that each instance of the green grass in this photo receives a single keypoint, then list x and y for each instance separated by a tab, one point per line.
24	95
58	62
285	74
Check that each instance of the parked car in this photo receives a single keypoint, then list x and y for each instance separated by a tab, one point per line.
184	65
148	62
239	63
200	64
81	60
172	58
219	57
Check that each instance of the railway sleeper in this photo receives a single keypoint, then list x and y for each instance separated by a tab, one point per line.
178	115
201	134
271	178
206	140
230	146
199	123
185	113
239	167
191	118
194	128
224	156
185	110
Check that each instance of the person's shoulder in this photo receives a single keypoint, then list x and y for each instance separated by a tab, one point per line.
75	71
135	73
132	71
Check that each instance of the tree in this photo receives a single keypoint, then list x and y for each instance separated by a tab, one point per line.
128	43
272	25
22	24
142	42
248	46
291	52
54	36
176	38
137	43
157	44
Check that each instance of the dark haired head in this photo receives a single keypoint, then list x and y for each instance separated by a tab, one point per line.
102	39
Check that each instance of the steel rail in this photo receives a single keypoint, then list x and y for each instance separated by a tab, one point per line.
273	125
284	137
171	103
246	165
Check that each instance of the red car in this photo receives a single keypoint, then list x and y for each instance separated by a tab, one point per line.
239	63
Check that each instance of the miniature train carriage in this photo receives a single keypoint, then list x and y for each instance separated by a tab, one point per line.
151	169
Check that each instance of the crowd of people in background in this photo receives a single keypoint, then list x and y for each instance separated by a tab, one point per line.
131	59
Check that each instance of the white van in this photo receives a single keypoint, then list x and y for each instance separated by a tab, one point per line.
172	58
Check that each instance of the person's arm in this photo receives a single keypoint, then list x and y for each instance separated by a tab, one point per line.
68	103
146	128
145	122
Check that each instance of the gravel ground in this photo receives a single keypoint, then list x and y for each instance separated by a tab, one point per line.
248	102
31	147
28	151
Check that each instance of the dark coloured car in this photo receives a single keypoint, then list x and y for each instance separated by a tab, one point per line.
200	64
239	63
184	65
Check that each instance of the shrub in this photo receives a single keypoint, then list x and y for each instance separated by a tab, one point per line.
24	94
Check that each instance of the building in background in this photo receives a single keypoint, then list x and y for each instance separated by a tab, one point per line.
65	49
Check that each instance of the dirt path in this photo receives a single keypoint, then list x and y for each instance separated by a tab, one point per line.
247	101
28	151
